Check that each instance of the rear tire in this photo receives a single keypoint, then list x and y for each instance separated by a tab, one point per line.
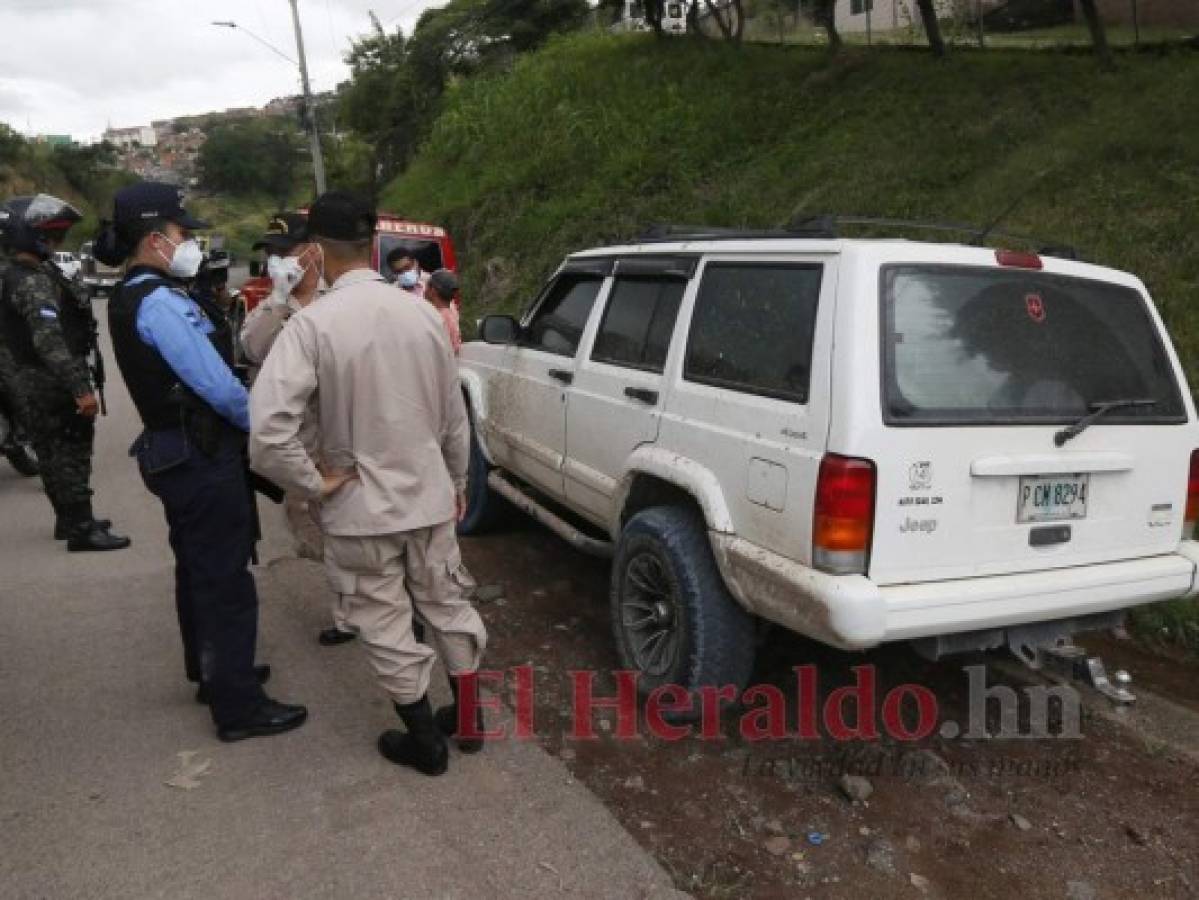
485	509
673	618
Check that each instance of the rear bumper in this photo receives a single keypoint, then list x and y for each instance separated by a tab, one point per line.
854	613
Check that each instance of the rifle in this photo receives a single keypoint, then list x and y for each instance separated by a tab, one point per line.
96	363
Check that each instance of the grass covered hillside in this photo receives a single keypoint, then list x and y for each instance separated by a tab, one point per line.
598	136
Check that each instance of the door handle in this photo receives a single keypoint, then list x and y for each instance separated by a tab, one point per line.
562	375
643	394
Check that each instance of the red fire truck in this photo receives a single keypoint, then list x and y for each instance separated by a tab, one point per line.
429	245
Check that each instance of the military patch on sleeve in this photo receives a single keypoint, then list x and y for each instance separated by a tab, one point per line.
48	312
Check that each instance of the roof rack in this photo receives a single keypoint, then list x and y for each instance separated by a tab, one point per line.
827	227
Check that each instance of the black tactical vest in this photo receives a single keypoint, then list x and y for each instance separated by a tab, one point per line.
73	315
155	388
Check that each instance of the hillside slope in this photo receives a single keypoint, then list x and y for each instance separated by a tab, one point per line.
598	136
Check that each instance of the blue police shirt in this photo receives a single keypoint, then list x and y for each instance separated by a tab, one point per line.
174	325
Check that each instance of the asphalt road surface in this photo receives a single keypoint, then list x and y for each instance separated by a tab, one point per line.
98	718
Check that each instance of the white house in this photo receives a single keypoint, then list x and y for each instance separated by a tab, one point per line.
860	16
127	138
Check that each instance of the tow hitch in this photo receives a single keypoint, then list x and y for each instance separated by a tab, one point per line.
1045	647
1066	661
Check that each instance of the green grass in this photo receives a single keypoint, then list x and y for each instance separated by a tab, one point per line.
598	136
241	220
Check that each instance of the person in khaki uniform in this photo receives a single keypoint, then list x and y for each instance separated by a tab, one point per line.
390	459
292	264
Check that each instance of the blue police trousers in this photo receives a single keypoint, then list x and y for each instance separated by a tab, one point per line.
207	507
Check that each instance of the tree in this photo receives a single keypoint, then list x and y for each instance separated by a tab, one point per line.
1098	34
824	14
380	102
397	82
729	16
932	26
256	155
12	145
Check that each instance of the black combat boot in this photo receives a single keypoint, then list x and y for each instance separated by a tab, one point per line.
63	526
447	722
422	746
84	533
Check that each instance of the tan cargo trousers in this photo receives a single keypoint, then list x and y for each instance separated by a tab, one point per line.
381	580
304	523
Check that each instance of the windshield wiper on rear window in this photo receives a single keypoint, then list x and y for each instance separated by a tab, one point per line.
1098	411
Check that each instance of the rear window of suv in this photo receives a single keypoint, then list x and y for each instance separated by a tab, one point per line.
980	346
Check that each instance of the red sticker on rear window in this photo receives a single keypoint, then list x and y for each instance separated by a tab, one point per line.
1036	307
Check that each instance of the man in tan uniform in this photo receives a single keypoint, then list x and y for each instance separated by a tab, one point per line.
391	461
294	270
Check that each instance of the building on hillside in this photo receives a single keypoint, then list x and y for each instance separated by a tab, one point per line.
56	140
674	17
860	16
129	138
284	106
1166	13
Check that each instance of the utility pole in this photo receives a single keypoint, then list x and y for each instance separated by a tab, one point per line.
318	159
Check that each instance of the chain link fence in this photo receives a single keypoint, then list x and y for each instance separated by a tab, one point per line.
1028	24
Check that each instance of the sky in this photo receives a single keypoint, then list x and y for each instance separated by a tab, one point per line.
76	66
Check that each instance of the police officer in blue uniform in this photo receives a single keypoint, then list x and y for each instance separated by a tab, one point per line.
176	363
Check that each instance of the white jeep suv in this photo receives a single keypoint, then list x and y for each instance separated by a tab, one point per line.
859	440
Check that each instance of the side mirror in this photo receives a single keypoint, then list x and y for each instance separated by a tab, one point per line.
255	268
499	330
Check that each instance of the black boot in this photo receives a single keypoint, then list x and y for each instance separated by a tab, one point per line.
447	722
422	747
332	636
91	535
63	526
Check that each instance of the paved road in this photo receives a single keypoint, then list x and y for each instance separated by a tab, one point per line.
96	714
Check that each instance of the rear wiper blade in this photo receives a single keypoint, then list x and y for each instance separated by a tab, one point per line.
1098	411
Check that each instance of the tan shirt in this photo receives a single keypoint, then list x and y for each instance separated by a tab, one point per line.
257	336
389	404
260	329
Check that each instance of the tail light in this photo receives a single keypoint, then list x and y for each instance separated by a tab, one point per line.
844	516
1192	514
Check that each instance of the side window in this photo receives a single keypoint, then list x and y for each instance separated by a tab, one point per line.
558	324
753	328
638	323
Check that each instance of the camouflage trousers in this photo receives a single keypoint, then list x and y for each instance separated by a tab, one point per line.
61	438
8	401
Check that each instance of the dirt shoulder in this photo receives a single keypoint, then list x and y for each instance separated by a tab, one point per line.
1101	815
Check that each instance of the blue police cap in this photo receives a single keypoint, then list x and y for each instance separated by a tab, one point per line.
153	200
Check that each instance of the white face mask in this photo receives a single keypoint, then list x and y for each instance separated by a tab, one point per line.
185	261
410	279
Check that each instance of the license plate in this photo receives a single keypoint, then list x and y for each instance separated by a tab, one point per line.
1052	498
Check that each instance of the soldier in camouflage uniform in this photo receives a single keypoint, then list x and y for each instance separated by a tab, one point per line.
15	446
48	330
